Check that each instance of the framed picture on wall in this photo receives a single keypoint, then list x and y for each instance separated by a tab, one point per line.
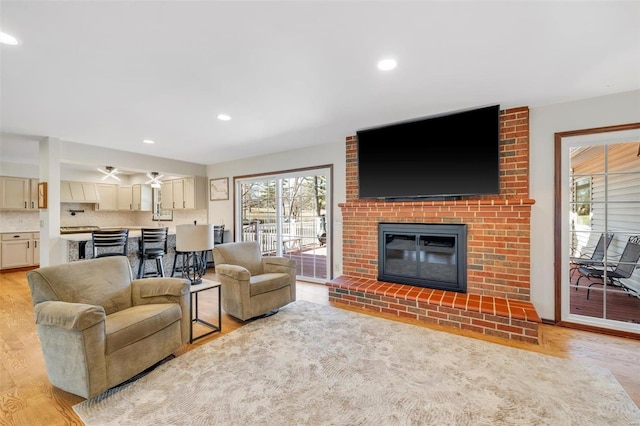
42	195
219	189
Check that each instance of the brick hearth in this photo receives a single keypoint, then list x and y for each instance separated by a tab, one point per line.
497	301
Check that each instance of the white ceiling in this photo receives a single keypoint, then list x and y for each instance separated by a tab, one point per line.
292	73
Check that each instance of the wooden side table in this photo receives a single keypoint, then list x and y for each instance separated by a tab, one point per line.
195	290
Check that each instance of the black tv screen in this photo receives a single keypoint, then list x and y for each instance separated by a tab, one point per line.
442	156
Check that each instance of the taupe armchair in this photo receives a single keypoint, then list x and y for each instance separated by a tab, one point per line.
98	327
253	285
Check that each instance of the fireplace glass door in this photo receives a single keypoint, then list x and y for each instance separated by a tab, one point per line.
424	255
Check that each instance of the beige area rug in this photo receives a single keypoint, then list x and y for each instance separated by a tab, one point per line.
319	365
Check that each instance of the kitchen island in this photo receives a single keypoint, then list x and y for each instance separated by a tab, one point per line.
79	247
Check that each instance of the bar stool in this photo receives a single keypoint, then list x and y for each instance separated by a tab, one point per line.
192	244
218	238
152	246
114	241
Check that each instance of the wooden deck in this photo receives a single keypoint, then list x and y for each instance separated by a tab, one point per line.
310	262
620	306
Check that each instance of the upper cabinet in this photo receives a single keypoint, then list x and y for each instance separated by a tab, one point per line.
34	193
141	198
166	189
136	198
188	193
78	192
16	193
108	195
124	198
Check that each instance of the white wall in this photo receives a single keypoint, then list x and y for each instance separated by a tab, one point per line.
544	122
221	212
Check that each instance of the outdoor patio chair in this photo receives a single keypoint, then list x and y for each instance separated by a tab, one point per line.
596	258
614	276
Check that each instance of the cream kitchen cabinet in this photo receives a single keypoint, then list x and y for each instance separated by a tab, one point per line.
18	250
125	198
141	198
166	189
108	195
184	194
34	193
36	248
18	193
135	198
78	192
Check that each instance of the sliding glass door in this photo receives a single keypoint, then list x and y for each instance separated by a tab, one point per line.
288	214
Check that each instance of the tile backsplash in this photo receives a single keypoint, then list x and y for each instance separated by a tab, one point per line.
12	221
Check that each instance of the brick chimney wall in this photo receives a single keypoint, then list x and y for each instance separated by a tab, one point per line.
498	247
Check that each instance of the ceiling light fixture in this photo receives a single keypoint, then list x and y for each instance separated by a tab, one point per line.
109	172
387	64
224	117
154	180
8	39
149	141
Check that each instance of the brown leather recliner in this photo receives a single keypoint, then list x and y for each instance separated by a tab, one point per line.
253	285
98	327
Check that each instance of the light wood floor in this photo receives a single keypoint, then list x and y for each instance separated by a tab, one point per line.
27	397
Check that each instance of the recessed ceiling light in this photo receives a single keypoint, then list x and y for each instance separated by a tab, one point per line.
224	117
8	39
149	141
387	64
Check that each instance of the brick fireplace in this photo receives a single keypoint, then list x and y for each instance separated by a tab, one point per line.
497	298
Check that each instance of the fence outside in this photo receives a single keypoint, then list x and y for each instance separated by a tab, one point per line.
302	235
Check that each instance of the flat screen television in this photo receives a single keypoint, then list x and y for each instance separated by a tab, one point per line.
445	156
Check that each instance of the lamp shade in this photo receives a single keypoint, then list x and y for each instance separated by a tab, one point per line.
193	238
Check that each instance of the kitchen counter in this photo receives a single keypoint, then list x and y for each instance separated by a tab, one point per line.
134	232
79	247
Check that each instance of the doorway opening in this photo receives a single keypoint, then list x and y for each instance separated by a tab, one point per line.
597	205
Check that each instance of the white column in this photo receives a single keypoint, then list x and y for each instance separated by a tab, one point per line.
53	250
